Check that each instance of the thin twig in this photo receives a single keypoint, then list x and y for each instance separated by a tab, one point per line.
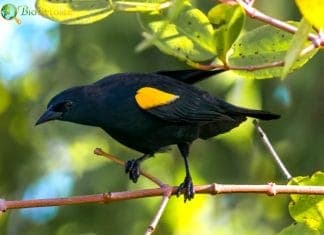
100	152
252	68
258	67
256	14
166	189
270	189
151	228
307	50
249	68
273	152
250	2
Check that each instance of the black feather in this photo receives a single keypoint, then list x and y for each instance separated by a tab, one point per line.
190	76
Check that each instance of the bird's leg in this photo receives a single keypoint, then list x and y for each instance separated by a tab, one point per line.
132	167
186	186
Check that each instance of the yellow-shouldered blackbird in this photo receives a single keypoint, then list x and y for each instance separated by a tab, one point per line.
148	112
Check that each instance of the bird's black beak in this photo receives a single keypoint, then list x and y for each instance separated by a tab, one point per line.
48	116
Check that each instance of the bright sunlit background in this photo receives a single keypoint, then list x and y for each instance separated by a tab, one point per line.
39	58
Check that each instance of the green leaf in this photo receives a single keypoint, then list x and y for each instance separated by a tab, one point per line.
90	11
313	11
263	46
229	21
308	209
140	6
187	35
75	11
296	46
298	229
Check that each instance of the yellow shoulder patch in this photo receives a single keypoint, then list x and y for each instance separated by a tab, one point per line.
148	97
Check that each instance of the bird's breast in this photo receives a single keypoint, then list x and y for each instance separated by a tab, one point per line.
146	133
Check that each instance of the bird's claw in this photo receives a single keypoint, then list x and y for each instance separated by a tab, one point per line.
187	188
132	167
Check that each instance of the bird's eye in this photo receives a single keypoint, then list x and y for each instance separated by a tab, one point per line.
68	104
62	107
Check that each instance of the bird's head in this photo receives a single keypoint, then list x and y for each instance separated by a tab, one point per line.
68	105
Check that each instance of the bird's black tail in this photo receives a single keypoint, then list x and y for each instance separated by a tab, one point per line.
190	76
259	114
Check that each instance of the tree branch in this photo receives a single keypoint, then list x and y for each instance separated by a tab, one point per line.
256	14
270	189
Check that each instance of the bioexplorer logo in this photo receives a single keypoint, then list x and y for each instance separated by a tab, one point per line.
9	12
13	12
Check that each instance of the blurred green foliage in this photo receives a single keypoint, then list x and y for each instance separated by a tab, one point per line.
87	53
308	209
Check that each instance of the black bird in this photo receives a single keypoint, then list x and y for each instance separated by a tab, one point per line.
148	112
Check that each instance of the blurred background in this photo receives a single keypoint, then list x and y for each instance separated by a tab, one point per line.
39	58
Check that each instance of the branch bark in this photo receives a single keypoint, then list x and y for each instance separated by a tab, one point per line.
270	189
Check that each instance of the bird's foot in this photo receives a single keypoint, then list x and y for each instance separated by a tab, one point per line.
187	188
132	167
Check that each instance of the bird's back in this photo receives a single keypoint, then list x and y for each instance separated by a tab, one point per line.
193	114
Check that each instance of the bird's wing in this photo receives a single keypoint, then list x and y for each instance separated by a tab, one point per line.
189	76
186	104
